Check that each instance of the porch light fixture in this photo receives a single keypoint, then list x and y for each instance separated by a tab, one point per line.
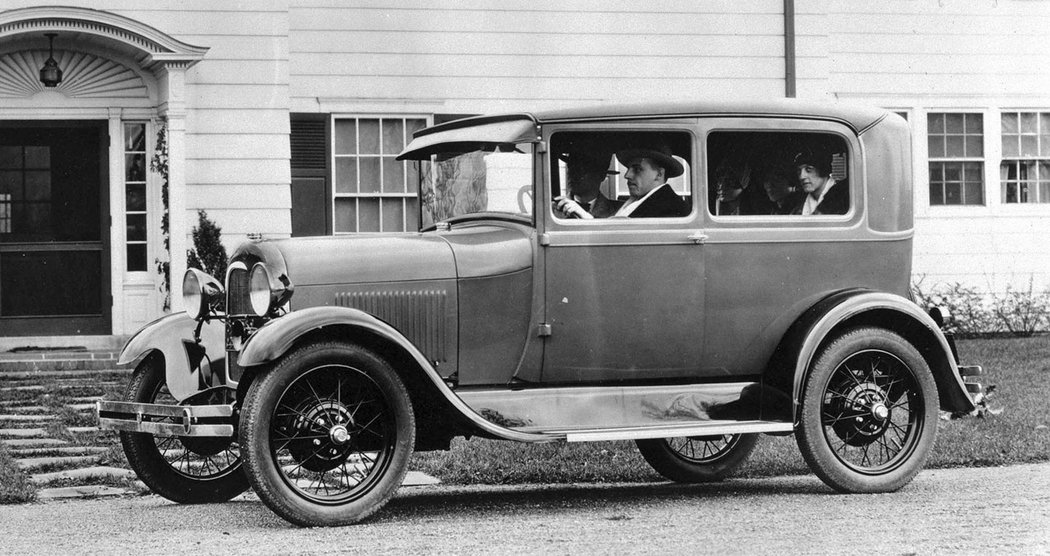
50	74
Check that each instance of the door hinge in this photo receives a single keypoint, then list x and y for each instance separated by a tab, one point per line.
545	330
545	239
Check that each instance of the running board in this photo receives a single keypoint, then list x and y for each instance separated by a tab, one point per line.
707	428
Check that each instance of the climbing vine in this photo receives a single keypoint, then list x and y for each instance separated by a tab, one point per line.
159	164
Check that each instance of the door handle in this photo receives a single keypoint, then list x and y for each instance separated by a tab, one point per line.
698	237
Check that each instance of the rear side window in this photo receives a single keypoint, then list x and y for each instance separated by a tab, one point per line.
614	175
768	173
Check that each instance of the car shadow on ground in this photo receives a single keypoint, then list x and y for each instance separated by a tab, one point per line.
505	501
512	500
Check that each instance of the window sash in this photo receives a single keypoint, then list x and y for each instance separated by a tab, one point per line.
371	191
955	154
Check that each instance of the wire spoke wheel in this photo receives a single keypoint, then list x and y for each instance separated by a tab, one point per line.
327	434
332	434
869	412
696	459
188	470
872	411
703	449
197	457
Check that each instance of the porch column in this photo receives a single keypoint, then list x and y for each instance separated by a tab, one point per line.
173	108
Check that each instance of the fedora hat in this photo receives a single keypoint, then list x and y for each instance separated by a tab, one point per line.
661	156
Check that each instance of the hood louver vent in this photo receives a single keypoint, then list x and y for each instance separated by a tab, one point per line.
419	315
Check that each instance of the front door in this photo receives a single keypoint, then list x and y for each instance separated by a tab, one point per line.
54	253
624	295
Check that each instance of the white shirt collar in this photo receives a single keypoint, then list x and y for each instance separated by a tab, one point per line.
629	206
811	204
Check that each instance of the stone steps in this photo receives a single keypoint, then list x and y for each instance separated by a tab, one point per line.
38	390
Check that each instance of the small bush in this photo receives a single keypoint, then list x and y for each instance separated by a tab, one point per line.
208	253
971	314
1022	312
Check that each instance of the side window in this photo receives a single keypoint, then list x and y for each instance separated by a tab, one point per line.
621	174
765	173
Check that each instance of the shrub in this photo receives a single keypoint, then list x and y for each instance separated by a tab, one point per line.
1022	312
208	253
971	314
1016	312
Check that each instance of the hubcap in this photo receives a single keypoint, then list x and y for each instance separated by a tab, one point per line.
339	435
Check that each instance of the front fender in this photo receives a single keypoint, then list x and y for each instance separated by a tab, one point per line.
188	367
890	311
276	337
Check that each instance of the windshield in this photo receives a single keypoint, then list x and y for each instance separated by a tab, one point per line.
495	180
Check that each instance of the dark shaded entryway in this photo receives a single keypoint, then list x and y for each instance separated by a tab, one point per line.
54	229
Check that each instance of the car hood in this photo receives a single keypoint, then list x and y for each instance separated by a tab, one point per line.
470	252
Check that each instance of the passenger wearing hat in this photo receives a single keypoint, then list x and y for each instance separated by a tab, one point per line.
824	195
647	173
585	174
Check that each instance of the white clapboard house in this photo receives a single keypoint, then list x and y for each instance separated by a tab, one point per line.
282	118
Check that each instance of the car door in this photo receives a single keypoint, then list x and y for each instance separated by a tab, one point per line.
624	297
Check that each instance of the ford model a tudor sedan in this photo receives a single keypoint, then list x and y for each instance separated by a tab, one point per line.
687	276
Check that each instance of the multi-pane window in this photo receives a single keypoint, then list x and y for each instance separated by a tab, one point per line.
956	153
25	192
1025	168
373	192
135	194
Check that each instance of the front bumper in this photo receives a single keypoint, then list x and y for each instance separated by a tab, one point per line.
166	420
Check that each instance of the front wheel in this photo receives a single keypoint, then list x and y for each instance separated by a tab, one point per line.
698	459
187	470
869	412
327	434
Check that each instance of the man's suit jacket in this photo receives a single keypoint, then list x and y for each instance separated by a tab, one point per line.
604	207
664	202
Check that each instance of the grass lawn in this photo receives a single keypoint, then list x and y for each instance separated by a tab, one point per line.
1019	368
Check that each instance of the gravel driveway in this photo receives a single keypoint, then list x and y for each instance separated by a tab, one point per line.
985	510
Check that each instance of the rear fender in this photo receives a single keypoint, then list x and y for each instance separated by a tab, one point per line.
189	367
865	307
276	337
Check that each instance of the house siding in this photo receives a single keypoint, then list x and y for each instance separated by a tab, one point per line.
471	57
926	56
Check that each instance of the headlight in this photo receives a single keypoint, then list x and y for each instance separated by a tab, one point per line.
198	292
259	292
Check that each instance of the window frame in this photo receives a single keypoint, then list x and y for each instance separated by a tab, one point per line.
1040	159
982	160
773	124
405	197
547	164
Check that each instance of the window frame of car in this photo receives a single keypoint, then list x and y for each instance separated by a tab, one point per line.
774	124
684	125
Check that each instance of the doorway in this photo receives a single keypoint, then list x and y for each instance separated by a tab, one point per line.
54	228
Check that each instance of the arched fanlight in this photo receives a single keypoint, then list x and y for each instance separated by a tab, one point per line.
50	74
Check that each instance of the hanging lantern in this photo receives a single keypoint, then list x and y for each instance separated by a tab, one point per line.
50	74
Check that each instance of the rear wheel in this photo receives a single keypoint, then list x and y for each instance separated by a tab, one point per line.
328	432
188	470
698	459
869	412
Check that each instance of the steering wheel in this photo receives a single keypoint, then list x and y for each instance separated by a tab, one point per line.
525	198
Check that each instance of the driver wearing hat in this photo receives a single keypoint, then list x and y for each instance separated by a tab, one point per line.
647	173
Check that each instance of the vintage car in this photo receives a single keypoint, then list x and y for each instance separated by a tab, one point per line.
761	303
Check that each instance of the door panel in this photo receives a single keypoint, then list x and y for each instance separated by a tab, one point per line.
54	257
623	311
